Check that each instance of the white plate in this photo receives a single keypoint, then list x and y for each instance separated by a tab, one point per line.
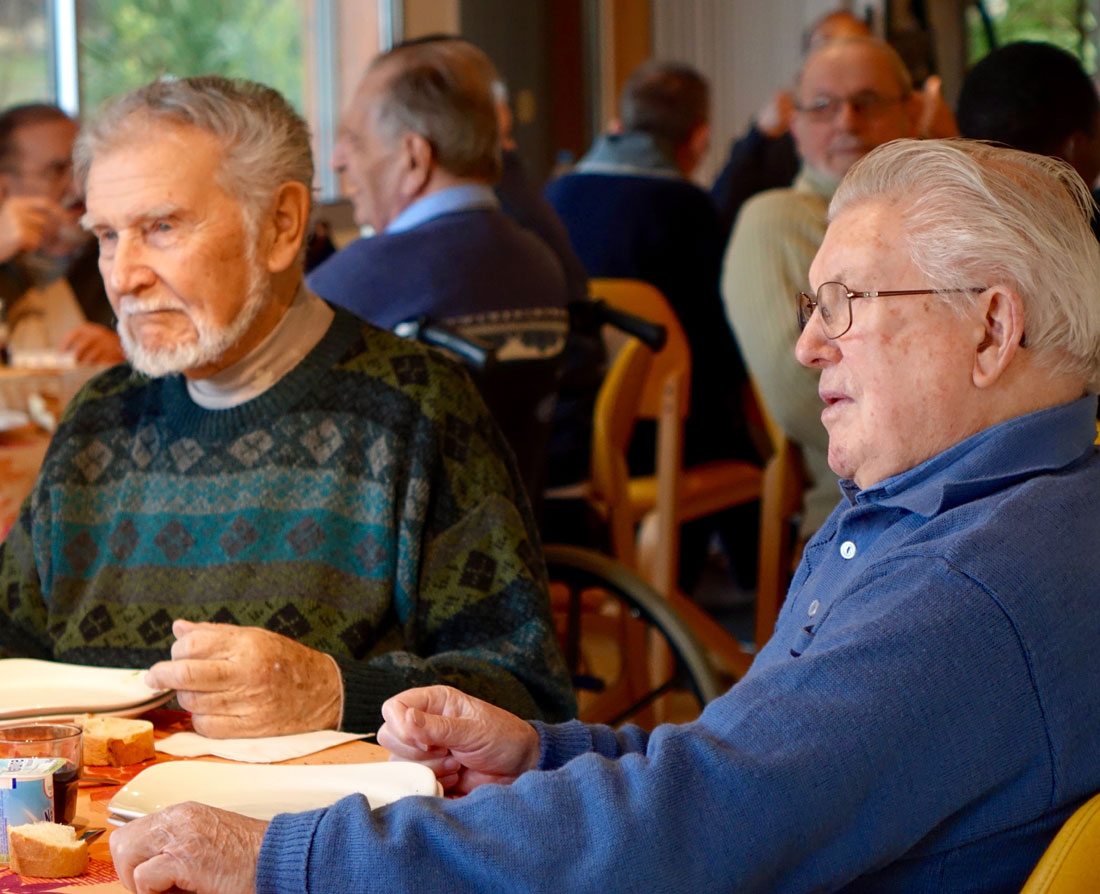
29	687
263	790
10	419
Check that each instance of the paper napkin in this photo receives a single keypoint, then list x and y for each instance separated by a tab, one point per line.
263	750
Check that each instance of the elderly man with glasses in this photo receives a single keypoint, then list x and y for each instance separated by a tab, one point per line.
925	716
853	94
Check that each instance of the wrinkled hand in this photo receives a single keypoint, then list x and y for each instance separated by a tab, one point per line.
91	343
189	847
774	119
241	682
25	221
465	741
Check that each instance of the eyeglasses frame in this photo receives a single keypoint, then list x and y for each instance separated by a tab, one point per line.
812	303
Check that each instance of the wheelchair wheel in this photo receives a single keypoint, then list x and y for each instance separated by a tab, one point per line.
628	651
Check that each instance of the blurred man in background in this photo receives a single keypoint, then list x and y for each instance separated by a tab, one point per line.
49	281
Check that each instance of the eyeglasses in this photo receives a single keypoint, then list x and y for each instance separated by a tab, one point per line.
834	304
868	104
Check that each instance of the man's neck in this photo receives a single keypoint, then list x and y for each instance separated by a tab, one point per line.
450	195
295	334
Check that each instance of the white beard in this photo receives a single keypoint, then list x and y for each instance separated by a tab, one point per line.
211	342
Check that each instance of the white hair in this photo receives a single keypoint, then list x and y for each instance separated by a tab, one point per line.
265	142
975	215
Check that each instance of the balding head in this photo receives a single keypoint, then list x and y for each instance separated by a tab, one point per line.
852	95
837	25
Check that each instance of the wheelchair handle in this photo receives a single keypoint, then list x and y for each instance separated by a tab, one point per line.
652	335
475	355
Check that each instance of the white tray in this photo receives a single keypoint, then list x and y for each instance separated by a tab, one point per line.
264	790
33	688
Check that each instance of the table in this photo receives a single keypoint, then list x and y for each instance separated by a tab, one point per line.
91	809
21	453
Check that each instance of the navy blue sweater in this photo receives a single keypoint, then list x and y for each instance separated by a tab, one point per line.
456	264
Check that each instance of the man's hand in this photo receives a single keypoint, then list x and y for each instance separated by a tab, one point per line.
465	741
91	343
189	847
240	682
774	119
25	221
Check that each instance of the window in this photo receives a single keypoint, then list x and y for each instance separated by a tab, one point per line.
79	52
127	43
1069	24
26	59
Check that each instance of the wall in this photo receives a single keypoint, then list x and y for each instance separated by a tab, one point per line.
748	49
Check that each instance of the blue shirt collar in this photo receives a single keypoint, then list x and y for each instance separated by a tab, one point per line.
1016	449
446	201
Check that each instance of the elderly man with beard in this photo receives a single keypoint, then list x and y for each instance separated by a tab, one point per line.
320	512
926	714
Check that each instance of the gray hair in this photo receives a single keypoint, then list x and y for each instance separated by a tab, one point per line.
265	142
975	214
442	90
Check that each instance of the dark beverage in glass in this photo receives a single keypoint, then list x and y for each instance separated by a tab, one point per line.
43	739
65	784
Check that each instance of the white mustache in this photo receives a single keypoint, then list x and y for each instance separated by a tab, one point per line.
129	305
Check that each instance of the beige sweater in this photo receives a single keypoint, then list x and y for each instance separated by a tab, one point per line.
778	233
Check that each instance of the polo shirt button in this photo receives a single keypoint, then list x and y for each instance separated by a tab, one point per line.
847	549
814	606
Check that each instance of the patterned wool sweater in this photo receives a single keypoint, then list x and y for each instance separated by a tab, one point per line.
363	506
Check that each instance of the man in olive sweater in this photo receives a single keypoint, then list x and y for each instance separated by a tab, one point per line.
329	507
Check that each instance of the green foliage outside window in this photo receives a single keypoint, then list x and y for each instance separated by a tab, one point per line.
24	52
126	43
1069	24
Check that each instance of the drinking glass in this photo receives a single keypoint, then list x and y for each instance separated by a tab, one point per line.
28	739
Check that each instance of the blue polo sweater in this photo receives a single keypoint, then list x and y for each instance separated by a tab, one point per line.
923	720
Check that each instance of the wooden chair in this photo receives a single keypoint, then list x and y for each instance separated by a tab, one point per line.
657	505
1071	864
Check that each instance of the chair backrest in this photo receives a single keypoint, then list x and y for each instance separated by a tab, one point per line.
613	424
1071	864
515	358
673	361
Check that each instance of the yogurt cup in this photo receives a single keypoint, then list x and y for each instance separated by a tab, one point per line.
26	794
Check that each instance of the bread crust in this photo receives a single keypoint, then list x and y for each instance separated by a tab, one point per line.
116	741
42	859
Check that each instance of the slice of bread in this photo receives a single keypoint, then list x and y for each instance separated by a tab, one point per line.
46	850
116	741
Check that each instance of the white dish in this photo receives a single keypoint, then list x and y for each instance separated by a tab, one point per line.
10	419
31	688
128	711
264	790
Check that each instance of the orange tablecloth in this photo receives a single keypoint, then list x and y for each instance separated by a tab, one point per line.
21	452
91	810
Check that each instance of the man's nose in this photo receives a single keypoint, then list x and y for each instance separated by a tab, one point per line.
813	349
129	273
848	116
339	157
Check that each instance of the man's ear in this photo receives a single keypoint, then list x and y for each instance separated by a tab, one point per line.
286	228
1000	333
418	164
